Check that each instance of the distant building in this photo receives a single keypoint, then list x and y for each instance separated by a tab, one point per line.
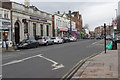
99	31
92	34
61	25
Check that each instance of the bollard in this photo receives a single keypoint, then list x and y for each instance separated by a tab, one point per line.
6	46
114	45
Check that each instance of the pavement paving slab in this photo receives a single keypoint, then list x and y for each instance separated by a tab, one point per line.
101	66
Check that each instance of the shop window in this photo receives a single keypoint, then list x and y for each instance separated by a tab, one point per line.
26	28
41	27
47	30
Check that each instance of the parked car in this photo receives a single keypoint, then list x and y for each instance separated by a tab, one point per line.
45	40
57	40
71	39
108	37
65	39
28	43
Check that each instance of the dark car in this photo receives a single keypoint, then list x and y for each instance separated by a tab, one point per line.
28	43
65	39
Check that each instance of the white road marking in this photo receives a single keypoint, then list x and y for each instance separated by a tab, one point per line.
18	61
55	64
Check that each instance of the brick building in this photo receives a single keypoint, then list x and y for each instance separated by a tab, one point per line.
99	31
77	18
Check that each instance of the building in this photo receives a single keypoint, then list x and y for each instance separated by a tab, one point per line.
29	21
5	23
92	34
99	31
77	18
61	25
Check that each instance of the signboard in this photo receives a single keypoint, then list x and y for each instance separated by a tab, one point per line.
34	18
6	23
117	35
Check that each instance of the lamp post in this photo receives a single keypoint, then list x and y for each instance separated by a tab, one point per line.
105	36
70	24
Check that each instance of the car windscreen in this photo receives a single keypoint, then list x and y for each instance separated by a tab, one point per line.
25	41
52	38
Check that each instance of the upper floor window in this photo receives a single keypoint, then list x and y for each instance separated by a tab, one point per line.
6	13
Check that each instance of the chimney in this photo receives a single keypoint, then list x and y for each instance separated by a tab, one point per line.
58	12
27	3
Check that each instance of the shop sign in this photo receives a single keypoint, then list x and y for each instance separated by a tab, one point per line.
6	23
34	18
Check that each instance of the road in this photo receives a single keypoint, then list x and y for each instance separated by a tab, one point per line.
52	61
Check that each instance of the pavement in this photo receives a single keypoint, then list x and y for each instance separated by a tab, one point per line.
101	66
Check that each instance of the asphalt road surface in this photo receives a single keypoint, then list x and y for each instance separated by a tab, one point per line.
52	61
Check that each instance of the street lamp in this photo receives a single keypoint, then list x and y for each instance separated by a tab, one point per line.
70	24
105	35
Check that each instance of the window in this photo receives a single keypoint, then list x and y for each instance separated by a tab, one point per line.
41	27
6	14
26	28
0	36
47	30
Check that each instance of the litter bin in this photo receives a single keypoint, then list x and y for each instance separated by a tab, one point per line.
114	45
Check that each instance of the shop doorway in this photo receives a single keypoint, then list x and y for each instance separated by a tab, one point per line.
17	33
34	30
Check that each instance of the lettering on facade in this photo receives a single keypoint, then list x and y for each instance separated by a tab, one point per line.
38	19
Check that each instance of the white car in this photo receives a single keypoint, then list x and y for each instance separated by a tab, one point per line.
57	40
72	38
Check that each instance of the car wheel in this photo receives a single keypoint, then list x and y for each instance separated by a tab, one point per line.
52	43
46	44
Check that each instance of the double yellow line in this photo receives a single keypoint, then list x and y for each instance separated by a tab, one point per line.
75	68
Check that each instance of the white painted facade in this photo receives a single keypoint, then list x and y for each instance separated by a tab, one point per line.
32	16
62	22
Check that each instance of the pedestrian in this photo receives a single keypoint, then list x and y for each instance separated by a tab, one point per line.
28	35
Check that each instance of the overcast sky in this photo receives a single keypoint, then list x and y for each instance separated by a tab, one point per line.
94	12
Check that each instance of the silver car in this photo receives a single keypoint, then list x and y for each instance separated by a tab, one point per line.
45	40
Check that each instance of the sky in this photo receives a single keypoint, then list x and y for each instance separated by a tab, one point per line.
94	12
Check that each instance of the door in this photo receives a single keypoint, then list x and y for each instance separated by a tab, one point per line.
34	30
17	33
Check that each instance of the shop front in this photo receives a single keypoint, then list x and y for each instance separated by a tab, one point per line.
62	32
5	32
